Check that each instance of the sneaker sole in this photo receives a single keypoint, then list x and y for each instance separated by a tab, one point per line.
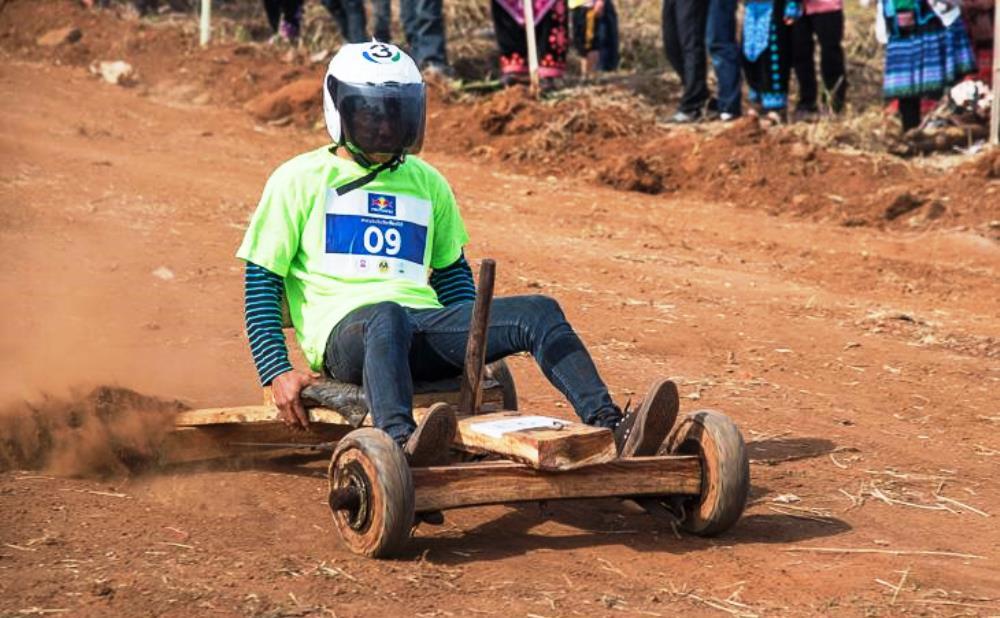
657	416
433	437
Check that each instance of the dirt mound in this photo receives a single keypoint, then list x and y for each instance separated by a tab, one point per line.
986	165
632	173
108	431
162	53
601	138
298	102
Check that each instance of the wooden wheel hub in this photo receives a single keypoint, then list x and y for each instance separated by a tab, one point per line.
352	499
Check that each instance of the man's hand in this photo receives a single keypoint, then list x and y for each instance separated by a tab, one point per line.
286	388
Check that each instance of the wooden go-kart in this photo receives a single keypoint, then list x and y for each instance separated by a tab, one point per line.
699	481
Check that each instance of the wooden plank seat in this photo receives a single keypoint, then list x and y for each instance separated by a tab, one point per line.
349	399
541	442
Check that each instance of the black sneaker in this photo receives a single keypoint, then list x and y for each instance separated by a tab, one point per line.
642	431
429	444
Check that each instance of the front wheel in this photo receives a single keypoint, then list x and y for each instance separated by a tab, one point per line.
371	493
725	471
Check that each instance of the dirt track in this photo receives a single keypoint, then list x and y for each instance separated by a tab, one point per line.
859	363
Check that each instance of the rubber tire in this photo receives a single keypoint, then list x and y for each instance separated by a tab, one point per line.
391	501
725	471
501	373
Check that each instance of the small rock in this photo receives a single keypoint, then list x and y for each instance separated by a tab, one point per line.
102	588
786	499
611	602
117	72
799	200
163	273
903	203
804	152
936	210
60	36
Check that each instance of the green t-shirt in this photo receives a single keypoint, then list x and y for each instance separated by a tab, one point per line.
337	253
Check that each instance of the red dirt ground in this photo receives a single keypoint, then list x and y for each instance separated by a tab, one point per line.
860	362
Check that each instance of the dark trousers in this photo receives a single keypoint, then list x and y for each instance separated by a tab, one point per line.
351	19
423	24
720	36
385	347
828	28
683	23
608	45
276	9
909	112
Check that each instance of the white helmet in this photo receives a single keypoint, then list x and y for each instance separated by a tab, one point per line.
374	100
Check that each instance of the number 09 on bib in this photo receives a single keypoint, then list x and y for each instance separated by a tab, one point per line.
376	235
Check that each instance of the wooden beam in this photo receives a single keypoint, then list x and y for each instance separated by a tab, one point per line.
493	397
529	34
250	415
188	444
205	27
477	484
541	442
469	394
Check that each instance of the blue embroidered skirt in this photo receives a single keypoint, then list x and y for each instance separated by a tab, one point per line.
928	60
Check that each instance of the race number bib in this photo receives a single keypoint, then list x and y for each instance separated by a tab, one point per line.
376	235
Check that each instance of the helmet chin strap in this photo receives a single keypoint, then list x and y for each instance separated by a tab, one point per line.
375	169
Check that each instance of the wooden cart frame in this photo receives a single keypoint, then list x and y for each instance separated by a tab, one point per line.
699	481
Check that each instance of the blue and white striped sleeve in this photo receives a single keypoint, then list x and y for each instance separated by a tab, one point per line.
454	284
262	310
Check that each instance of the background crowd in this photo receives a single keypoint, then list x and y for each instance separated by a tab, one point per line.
930	45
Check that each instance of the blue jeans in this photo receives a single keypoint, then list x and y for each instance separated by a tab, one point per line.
351	19
720	37
385	347
423	24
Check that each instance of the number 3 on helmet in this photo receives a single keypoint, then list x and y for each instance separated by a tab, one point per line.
374	100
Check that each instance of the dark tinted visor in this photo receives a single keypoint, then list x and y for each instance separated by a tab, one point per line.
382	119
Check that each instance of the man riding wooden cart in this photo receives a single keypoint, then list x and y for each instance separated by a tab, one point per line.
365	242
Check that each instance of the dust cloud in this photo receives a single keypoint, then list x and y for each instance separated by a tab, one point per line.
109	431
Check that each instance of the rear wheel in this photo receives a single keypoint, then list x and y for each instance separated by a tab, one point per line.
499	372
725	471
371	493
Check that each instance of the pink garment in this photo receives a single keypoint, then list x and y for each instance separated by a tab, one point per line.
515	8
823	6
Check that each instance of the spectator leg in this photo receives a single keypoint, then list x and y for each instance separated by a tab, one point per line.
803	52
720	36
829	28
